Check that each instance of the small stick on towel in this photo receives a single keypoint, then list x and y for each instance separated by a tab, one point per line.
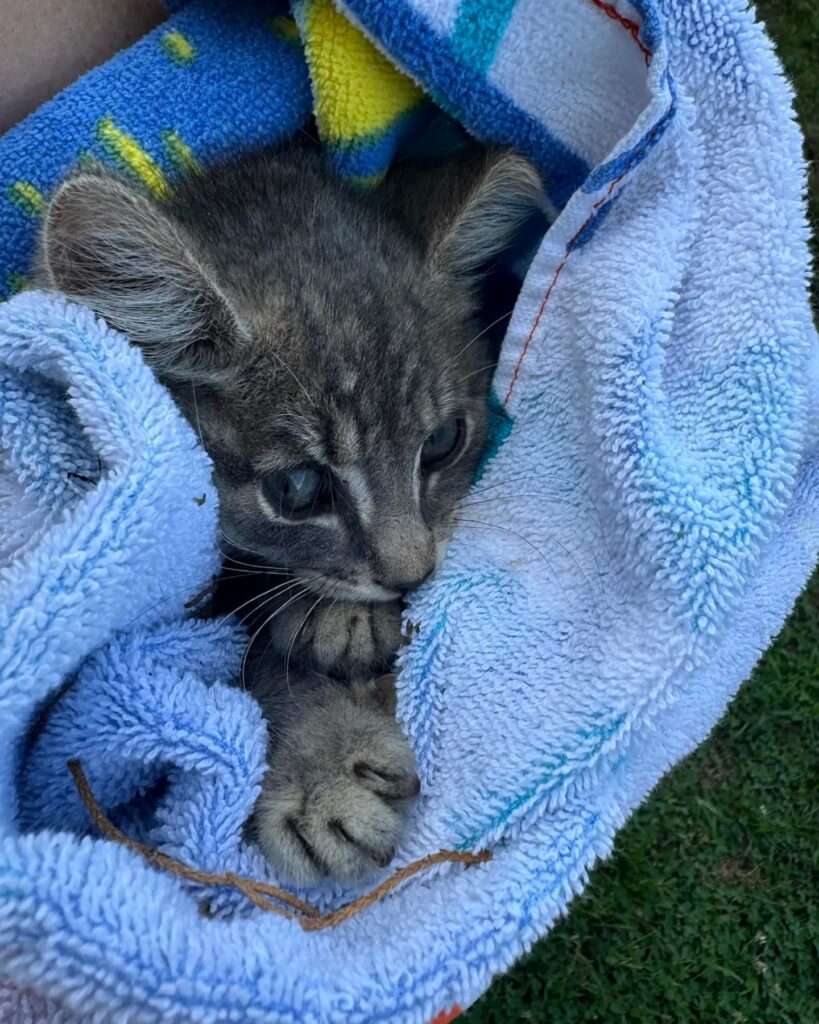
260	893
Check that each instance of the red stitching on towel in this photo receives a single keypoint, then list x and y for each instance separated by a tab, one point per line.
447	1016
647	142
627	23
553	282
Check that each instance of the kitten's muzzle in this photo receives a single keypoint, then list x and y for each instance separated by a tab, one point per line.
344	588
402	587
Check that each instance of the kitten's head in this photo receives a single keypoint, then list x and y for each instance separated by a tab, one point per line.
323	344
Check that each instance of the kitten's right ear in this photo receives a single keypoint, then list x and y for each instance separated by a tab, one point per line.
119	252
466	209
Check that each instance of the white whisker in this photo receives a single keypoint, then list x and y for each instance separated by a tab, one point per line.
266	622
504	529
298	629
265	597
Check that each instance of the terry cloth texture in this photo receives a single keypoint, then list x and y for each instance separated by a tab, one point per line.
647	517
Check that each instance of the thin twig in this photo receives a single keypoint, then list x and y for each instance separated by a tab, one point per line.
258	892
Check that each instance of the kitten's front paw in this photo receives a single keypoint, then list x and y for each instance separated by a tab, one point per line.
341	639
334	799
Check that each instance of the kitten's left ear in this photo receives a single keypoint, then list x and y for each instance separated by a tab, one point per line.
466	210
119	252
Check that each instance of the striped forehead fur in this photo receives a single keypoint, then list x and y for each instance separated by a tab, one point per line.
321	327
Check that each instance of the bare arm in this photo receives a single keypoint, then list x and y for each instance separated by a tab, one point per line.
46	44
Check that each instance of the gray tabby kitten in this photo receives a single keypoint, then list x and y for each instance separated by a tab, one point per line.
323	345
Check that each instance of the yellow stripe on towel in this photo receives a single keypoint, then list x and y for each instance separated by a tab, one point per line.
178	48
126	151
356	91
26	198
180	153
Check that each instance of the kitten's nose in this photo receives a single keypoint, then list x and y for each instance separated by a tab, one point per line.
405	586
403	549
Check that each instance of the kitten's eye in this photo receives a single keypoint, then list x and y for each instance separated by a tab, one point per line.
443	444
299	491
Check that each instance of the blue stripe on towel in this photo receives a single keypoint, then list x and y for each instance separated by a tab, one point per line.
626	161
467	95
478	30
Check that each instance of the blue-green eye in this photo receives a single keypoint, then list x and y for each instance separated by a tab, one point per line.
444	444
298	491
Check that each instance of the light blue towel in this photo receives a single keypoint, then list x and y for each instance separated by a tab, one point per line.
648	516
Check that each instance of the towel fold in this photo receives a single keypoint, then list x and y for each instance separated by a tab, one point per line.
646	518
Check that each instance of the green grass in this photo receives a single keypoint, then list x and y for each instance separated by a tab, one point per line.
794	26
708	912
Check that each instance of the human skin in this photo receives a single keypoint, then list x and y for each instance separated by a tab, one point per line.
46	44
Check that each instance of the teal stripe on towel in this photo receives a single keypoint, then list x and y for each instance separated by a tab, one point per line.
479	27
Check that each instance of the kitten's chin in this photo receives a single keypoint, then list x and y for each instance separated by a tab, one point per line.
344	590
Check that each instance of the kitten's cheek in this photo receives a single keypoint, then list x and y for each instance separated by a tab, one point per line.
242	536
240	517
